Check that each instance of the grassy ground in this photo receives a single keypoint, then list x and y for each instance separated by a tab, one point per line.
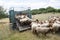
7	34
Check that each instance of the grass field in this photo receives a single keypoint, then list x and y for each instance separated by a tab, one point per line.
7	34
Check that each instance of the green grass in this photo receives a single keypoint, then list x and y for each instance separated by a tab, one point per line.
7	34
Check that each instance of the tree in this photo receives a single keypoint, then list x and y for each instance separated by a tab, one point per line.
50	9
2	12
35	11
42	10
58	10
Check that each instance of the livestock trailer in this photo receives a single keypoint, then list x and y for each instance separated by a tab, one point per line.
15	23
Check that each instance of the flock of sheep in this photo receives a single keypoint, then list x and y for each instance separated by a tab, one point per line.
44	27
23	19
51	25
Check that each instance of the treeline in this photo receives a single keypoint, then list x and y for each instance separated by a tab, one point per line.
49	9
3	13
45	10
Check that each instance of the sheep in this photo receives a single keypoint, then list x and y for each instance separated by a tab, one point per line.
45	24
53	18
42	30
25	19
56	26
19	16
51	21
34	24
22	16
58	22
54	23
37	28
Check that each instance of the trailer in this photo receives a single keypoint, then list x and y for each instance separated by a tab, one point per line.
15	24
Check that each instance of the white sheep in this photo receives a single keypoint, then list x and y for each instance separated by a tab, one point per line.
25	19
37	28
45	24
56	26
22	16
54	18
43	30
33	26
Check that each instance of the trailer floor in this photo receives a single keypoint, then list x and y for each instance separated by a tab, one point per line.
23	28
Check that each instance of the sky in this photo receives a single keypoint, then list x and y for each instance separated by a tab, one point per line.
34	4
